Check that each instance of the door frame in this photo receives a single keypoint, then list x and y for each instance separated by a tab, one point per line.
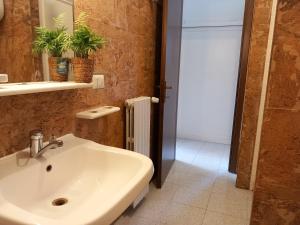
241	86
240	92
160	67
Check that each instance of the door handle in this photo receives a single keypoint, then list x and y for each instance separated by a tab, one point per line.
167	87
163	89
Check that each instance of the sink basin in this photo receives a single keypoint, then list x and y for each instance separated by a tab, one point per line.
80	183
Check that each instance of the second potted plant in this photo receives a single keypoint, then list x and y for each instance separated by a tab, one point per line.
83	42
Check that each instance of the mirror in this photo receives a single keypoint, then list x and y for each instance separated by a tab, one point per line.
49	9
17	33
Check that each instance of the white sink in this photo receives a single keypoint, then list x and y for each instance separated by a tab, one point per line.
99	183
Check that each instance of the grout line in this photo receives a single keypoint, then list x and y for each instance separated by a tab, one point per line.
227	214
204	217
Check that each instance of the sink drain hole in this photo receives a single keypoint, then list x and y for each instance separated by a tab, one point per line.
49	168
59	201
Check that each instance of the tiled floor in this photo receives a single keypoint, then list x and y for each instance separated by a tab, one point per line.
198	191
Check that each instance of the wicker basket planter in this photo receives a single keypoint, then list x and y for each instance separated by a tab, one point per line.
83	69
58	68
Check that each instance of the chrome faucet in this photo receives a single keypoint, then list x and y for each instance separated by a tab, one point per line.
37	147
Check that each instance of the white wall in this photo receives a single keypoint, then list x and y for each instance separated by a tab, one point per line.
209	69
212	12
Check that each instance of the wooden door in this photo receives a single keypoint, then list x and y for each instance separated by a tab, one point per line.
169	79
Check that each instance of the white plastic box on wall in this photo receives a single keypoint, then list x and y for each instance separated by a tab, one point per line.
3	77
98	81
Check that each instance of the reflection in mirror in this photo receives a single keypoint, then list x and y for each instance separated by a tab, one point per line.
17	33
40	38
49	9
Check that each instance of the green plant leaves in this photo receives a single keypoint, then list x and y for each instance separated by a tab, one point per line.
56	42
84	40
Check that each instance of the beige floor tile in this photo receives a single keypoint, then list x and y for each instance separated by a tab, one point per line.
176	178
216	149
134	220
185	156
209	159
225	183
212	218
198	182
224	164
166	193
229	204
250	201
178	214
192	179
196	169
190	145
188	195
181	167
151	209
207	163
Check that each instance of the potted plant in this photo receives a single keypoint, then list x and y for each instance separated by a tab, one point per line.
84	42
55	43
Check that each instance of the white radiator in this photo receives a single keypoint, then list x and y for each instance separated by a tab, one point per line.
138	112
138	116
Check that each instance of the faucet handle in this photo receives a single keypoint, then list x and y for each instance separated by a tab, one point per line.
36	135
36	132
60	143
36	141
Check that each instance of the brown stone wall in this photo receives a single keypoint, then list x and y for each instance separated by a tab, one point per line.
16	36
255	71
277	190
127	61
